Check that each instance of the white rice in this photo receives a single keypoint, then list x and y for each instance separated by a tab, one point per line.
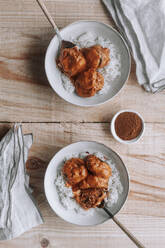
110	72
115	187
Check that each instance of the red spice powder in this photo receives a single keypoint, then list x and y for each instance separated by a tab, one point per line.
128	125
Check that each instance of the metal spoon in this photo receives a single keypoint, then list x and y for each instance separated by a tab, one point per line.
122	227
63	43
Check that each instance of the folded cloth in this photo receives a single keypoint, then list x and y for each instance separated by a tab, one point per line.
18	212
142	24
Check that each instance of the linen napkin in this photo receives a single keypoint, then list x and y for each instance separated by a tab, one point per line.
142	23
18	212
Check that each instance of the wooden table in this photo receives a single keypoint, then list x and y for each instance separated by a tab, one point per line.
26	97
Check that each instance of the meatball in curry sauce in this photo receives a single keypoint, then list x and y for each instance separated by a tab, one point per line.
96	56
88	83
89	179
71	61
75	171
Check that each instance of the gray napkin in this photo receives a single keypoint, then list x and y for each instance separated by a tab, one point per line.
18	212
142	23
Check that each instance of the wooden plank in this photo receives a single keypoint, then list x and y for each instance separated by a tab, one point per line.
143	212
26	13
26	94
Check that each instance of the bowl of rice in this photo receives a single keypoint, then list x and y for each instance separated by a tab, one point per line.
86	34
61	198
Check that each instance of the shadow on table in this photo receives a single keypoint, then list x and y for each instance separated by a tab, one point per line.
4	128
36	55
36	169
35	59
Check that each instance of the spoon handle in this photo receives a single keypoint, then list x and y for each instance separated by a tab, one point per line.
124	229
49	17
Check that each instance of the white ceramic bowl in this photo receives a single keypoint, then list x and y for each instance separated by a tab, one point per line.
113	131
75	30
71	216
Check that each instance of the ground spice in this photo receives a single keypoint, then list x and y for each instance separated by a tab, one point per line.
128	125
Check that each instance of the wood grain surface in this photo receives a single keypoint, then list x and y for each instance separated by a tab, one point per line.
22	76
143	212
26	13
27	97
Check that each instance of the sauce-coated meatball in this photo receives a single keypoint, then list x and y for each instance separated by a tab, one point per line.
96	56
98	167
88	83
75	171
71	61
